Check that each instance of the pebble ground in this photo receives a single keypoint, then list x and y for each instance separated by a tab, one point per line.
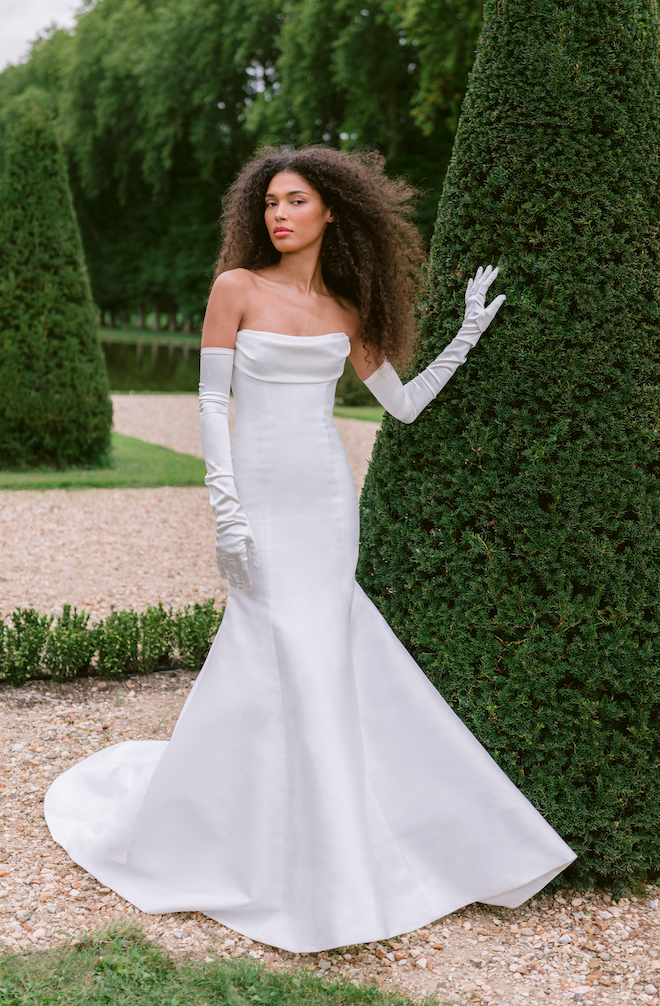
574	947
95	548
127	547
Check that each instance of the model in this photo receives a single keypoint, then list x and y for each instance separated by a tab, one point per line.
317	791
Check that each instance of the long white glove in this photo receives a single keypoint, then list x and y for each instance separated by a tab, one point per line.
405	402
234	540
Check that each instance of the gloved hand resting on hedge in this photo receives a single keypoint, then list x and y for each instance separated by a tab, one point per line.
405	402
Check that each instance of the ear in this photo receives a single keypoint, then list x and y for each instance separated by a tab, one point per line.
330	218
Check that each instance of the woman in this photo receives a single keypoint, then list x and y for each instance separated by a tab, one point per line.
316	791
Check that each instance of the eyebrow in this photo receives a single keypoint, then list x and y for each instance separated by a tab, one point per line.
296	192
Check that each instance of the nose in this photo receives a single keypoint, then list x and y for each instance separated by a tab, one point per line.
280	212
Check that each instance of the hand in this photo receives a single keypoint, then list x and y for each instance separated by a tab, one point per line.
233	544
476	312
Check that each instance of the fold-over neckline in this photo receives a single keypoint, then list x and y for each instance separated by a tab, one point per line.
283	335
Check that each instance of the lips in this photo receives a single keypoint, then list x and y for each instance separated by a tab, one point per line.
281	231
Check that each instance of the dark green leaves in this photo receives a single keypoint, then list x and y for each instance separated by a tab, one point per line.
54	405
512	534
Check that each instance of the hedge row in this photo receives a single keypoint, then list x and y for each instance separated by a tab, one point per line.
126	641
511	535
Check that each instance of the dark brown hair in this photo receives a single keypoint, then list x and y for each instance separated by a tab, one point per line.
372	253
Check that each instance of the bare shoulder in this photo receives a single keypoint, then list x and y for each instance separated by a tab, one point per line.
233	282
227	305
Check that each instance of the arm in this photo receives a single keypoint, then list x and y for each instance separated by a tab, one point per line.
234	540
405	402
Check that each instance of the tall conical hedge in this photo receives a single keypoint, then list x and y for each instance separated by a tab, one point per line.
511	535
54	405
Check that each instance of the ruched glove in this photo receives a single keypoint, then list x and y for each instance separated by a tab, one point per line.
405	402
234	541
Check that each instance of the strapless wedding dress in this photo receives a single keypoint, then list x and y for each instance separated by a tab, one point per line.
317	791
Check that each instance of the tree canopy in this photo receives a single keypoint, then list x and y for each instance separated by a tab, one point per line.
158	105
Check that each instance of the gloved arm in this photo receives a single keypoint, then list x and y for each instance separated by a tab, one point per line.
234	540
405	402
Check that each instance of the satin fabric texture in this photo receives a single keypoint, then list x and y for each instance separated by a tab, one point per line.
317	791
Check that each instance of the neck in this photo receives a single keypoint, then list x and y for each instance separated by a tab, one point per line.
302	268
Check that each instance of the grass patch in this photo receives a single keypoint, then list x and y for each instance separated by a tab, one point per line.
119	966
372	413
135	463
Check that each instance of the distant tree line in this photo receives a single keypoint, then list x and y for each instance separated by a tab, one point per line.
158	104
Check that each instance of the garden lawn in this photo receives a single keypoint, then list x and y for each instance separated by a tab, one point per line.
118	965
372	413
134	463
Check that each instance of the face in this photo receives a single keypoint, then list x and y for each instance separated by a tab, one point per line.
295	215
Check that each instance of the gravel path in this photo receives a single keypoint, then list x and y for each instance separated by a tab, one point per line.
127	547
574	947
98	547
133	547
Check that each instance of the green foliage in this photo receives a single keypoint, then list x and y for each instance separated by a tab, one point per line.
54	406
390	75
23	643
194	628
70	644
133	463
511	535
125	642
119	965
118	641
156	637
160	104
446	32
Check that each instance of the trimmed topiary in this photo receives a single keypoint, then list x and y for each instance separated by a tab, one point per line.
511	535
54	405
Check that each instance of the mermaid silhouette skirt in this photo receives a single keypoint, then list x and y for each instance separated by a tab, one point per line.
317	791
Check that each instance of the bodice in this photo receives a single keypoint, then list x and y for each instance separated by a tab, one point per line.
291	359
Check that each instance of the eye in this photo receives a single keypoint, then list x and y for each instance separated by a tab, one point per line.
298	201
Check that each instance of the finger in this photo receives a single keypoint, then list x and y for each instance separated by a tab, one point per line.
494	307
229	572
252	551
477	276
468	292
244	573
489	278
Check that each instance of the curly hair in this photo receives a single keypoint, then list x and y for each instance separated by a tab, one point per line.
372	253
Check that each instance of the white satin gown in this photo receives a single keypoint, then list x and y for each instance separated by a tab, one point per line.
317	791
